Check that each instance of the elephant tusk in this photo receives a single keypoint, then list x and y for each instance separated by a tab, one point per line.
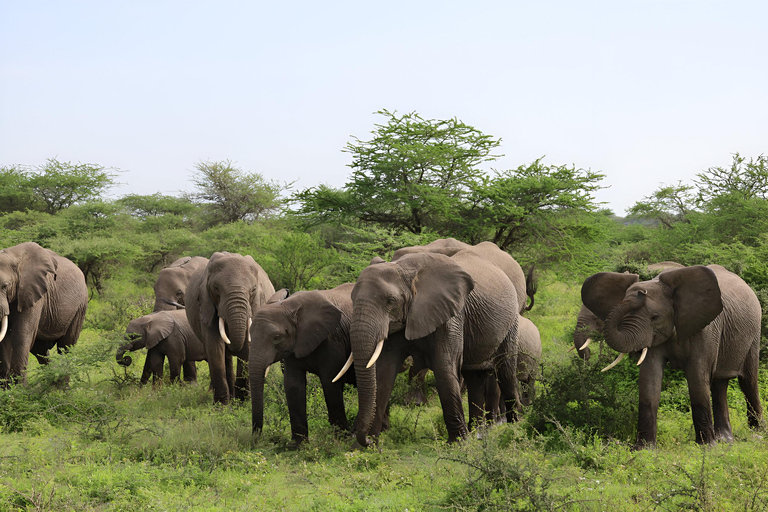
642	356
266	372
250	323
614	363
376	353
4	328
222	332
586	344
350	360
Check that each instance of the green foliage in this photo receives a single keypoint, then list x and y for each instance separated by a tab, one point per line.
668	205
16	193
61	184
298	261
230	194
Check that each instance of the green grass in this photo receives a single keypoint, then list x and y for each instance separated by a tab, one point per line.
106	443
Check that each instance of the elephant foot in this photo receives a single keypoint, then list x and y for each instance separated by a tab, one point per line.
724	437
642	444
295	444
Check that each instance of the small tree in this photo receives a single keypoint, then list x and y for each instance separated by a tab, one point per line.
412	174
667	205
232	195
747	180
16	192
61	184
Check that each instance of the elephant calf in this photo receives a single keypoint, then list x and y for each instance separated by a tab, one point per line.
163	334
310	332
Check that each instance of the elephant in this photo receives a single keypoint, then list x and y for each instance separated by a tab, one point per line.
170	290
458	313
524	285
704	320
220	301
163	334
589	326
172	282
309	332
43	299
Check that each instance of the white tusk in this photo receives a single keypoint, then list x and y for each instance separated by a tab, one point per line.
250	322
376	353
614	363
266	372
642	356
4	328
222	332
349	362
586	344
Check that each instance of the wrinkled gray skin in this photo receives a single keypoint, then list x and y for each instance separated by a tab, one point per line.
527	371
309	331
170	290
491	252
172	282
44	297
704	320
232	287
588	326
458	313
163	334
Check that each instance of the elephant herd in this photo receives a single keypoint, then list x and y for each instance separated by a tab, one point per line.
453	308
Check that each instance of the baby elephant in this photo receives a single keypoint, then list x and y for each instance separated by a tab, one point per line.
164	334
310	332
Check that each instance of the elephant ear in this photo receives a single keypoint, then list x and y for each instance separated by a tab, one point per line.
696	298
603	291
316	318
159	327
34	263
376	260
440	288
279	295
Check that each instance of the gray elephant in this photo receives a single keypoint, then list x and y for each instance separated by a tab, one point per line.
163	334
459	313
43	298
309	331
220	301
704	320
170	290
589	326
172	282
524	285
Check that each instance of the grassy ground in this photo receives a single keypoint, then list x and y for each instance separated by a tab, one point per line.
108	444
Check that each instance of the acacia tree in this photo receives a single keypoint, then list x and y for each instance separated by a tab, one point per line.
414	173
668	205
516	204
61	184
231	194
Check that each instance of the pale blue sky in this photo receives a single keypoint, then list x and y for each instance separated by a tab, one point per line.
645	92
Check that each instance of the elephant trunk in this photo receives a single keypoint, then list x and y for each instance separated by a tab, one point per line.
365	333
627	332
120	356
234	324
258	364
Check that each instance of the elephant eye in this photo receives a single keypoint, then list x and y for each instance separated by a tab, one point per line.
655	317
390	300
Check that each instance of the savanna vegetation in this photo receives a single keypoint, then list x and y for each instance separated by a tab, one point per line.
106	443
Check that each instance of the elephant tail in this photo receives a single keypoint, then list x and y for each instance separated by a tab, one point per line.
531	286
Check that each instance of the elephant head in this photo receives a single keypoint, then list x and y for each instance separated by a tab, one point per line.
233	288
638	315
145	332
171	284
588	326
295	327
418	293
25	271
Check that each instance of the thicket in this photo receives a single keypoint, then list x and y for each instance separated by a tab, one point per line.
413	181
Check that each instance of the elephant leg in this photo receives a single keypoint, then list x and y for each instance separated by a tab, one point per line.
156	363
241	386
334	401
719	390
506	371
448	386
701	411
417	386
749	386
190	372
295	383
229	369
174	367
386	372
147	371
492	399
475	381
217	367
649	383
